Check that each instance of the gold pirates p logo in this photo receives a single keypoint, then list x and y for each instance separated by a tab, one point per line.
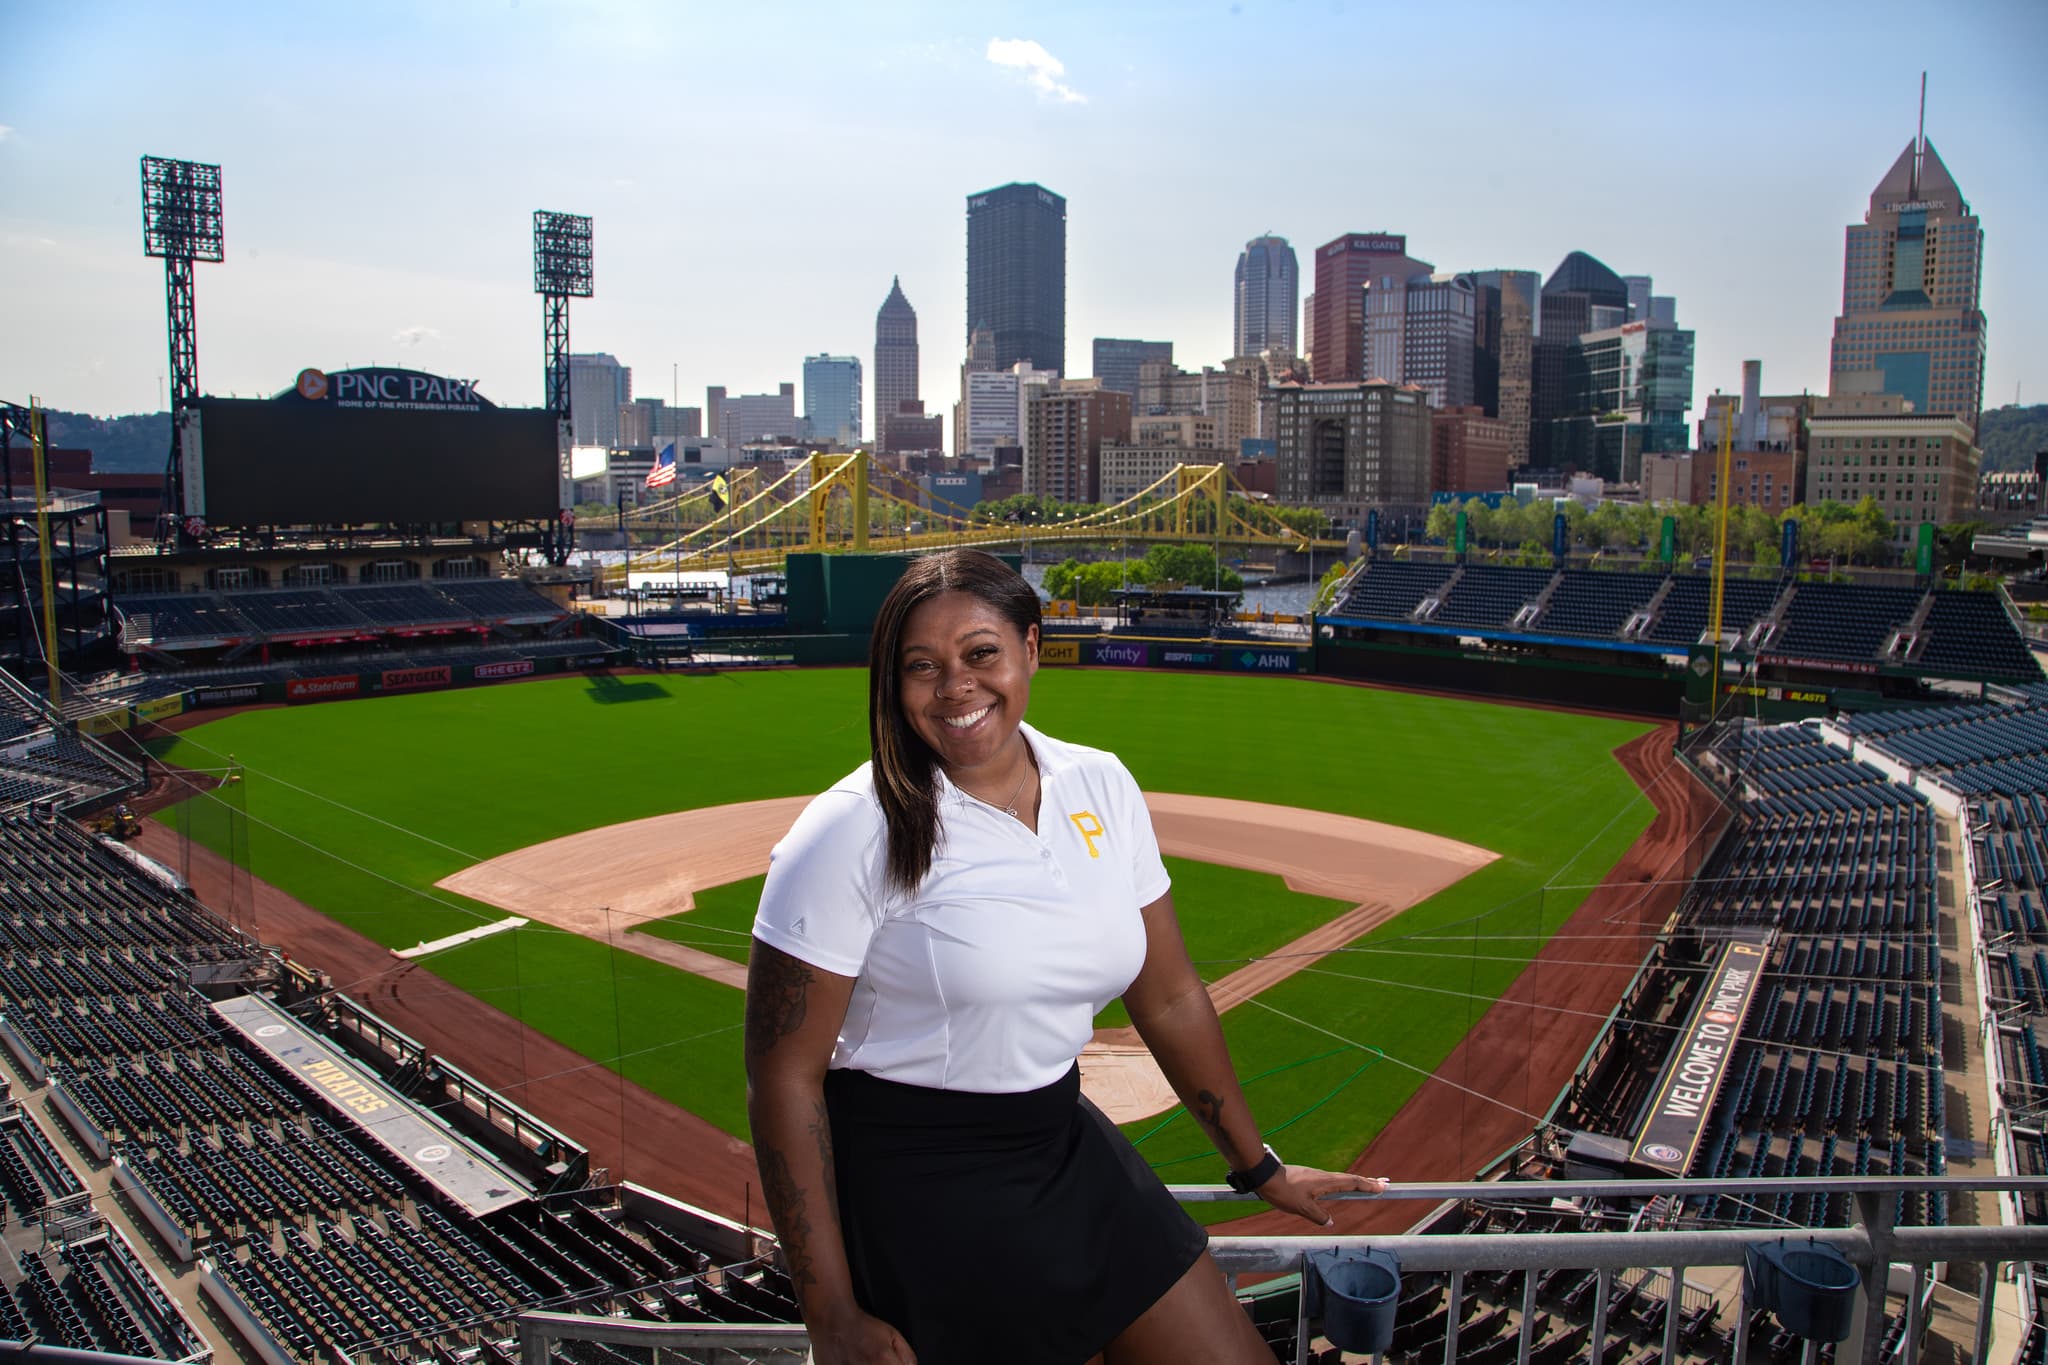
1090	827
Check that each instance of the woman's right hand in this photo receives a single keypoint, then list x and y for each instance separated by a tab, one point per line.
857	1338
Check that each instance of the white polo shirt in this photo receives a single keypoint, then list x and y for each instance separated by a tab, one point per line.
989	978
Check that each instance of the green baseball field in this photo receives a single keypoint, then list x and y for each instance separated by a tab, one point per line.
358	808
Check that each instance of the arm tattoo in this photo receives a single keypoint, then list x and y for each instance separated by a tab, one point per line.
787	1204
820	1128
1208	1111
776	988
786	1207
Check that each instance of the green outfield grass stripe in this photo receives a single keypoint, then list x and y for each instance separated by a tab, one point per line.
1273	1130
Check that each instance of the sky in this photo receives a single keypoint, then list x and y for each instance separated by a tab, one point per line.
757	173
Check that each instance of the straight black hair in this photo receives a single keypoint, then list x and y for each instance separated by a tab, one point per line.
905	768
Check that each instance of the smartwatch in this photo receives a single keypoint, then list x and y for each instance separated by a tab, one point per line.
1244	1182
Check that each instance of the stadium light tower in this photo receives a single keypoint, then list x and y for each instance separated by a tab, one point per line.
181	222
561	271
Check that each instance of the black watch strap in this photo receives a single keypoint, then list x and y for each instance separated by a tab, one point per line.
1244	1182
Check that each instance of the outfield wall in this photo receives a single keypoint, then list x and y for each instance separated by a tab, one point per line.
1178	655
345	684
1651	693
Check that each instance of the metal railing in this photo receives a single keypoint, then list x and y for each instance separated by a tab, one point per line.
1873	1244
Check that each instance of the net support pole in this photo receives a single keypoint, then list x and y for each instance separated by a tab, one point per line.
40	449
1720	557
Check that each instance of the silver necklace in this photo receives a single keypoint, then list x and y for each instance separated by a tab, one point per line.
1008	807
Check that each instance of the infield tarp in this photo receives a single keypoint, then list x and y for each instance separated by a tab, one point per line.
1698	1065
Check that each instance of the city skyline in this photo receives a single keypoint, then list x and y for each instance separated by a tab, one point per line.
417	254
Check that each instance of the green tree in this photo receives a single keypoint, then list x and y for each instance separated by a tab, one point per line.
1442	523
1190	566
2009	436
1306	521
1030	509
1092	584
1098	581
1326	591
1059	579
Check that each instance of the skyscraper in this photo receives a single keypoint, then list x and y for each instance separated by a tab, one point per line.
981	360
832	398
1267	297
1229	396
895	355
1065	425
1638	287
1347	447
1504	345
739	418
1342	269
1910	322
598	386
1017	273
1626	392
1117	360
1419	330
1582	295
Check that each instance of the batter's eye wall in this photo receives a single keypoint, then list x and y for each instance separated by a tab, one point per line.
266	463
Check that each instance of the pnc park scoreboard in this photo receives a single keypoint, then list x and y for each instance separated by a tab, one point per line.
368	447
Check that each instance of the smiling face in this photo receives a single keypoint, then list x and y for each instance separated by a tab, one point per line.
964	681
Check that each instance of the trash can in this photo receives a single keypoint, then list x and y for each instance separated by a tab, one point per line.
1355	1293
1809	1286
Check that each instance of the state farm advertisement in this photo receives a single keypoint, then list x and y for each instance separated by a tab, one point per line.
322	689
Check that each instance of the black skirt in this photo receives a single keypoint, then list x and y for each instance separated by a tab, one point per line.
995	1228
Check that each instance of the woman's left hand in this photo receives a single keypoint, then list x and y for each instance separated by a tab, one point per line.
1296	1190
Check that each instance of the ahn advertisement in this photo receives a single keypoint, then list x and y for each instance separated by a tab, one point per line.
1059	651
504	668
1200	655
329	688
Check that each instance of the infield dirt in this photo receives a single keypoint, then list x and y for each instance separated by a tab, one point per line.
605	883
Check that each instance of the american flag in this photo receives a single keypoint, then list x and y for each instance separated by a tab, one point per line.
664	471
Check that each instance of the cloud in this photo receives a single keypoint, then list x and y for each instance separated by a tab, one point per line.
413	336
1042	69
5	132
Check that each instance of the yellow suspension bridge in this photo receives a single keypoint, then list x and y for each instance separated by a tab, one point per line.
838	503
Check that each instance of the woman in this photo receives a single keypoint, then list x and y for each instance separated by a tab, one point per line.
936	935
